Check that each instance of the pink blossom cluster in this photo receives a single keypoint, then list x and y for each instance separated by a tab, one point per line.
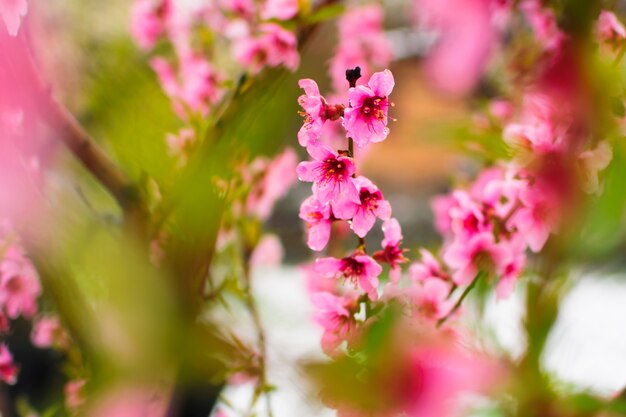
193	81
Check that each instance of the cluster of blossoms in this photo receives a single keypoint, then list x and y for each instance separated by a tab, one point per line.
256	36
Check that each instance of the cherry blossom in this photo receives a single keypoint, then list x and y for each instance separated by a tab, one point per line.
279	9
358	268
392	254
427	268
148	21
479	253
366	118
316	112
19	285
609	28
48	332
331	174
371	205
336	316
318	218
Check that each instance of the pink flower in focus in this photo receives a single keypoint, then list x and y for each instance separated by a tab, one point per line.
74	396
268	252
48	332
8	370
318	222
147	21
480	253
609	28
316	112
466	38
427	268
392	254
336	315
278	179
12	12
279	9
19	285
366	120
331	174
359	269
363	215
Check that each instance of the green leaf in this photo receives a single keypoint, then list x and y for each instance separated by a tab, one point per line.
326	13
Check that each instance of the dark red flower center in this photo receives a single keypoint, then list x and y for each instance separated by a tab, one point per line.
374	107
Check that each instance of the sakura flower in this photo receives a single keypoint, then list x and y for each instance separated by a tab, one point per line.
74	395
316	112
427	268
543	23
278	179
609	28
479	253
359	269
268	252
514	267
336	315
147	22
8	370
318	222
366	120
591	163
459	214
431	299
537	216
371	205
12	12
19	285
48	332
331	174
466	38
279	9
315	282
392	254
273	46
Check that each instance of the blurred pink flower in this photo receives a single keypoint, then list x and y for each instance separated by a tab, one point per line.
12	12
359	269
336	315
366	118
268	252
47	332
544	24
279	9
278	179
537	217
273	46
609	28
74	395
431	299
427	268
466	39
468	257
131	402
317	217
148	21
8	370
19	285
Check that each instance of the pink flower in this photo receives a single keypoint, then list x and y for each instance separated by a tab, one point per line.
544	24
8	370
273	46
366	120
147	21
12	12
179	145
278	179
316	112
19	285
336	315
479	253
392	254
458	214
268	252
48	332
74	395
466	39
131	402
318	222
315	282
359	269
371	205
609	28
331	174
427	268
431	299
279	9
514	267
537	217
591	162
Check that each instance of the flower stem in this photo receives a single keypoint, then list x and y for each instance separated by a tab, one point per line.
457	305
620	54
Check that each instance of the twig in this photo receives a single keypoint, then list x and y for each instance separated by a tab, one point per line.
457	305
